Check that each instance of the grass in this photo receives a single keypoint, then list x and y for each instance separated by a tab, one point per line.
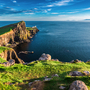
4	30
20	75
30	28
8	28
2	49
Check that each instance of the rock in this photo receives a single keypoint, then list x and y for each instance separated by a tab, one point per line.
86	72
36	80
75	73
78	85
26	52
87	61
61	87
47	79
55	75
6	64
45	57
26	63
9	63
54	59
30	84
76	61
33	88
36	85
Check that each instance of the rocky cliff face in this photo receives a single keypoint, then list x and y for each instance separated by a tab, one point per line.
17	34
11	54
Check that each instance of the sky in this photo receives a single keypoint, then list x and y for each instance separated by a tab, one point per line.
44	10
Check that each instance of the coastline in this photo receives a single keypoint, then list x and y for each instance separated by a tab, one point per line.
18	35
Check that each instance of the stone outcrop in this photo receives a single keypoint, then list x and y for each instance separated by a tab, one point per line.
78	85
11	54
75	73
9	63
45	57
19	33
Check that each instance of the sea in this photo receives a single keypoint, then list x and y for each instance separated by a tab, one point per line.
63	40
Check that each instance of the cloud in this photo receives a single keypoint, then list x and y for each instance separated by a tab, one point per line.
49	5
29	13
87	8
63	2
73	12
14	1
35	8
45	11
60	3
54	13
49	9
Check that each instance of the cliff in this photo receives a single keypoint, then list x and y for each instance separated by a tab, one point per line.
11	35
17	33
10	54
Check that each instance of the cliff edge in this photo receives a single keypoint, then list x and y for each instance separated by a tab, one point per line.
12	35
16	33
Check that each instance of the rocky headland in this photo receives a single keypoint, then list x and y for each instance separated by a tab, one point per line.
17	33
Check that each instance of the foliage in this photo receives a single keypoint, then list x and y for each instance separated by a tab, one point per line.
20	75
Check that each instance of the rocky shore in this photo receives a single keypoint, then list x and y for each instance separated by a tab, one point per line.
19	34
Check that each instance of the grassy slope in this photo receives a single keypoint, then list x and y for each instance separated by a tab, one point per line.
21	75
30	28
4	30
8	28
2	49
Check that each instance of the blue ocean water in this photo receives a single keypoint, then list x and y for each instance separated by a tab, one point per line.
63	40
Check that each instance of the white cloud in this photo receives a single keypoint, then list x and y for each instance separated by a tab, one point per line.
87	8
35	8
49	5
73	12
49	9
29	13
45	11
14	1
54	13
63	2
60	3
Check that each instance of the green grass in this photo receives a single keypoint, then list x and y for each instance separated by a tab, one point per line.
2	49
8	28
4	30
30	28
20	75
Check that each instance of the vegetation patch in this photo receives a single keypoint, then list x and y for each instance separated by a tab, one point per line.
2	49
4	30
18	76
30	28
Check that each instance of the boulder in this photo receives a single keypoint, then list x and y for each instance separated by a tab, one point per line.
78	85
9	63
55	75
75	73
86	72
61	87
76	61
47	79
45	57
